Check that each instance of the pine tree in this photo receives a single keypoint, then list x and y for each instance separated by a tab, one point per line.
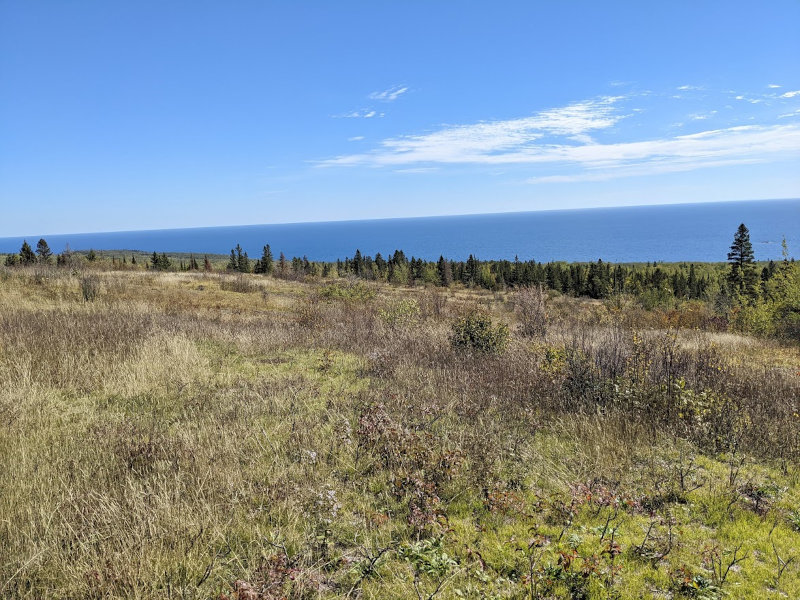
742	277
243	263
380	265
358	263
445	272
692	283
43	251
266	264
206	264
26	255
133	259
233	264
282	265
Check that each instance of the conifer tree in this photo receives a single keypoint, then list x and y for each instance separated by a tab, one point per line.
380	265
92	256
243	263
43	251
358	264
742	276
445	272
233	263
266	264
282	265
26	255
206	264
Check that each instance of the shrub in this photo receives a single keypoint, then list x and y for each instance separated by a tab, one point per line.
240	284
348	291
477	332
400	313
90	287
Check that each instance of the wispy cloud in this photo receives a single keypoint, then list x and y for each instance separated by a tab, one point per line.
685	88
364	113
355	138
417	170
654	167
702	116
489	141
560	138
773	86
390	95
791	94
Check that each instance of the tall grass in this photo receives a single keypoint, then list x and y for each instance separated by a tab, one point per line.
178	438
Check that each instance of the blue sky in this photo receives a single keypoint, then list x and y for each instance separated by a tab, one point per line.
142	115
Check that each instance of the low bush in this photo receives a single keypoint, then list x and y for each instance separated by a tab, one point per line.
90	288
348	290
477	332
400	313
240	284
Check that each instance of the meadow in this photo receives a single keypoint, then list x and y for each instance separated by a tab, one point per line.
240	437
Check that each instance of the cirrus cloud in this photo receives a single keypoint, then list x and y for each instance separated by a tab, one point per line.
563	138
389	95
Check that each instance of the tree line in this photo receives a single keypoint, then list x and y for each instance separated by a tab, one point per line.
755	295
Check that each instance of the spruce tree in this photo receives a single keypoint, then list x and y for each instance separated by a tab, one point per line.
380	265
243	263
266	264
445	272
282	265
742	276
233	264
43	251
26	255
358	263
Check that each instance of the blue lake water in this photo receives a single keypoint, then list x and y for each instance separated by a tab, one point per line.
678	232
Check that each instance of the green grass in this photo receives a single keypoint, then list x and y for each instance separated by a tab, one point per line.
177	440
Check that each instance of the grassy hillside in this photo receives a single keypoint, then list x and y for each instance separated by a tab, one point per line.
191	435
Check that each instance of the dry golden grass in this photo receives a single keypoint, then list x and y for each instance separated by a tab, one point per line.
202	436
